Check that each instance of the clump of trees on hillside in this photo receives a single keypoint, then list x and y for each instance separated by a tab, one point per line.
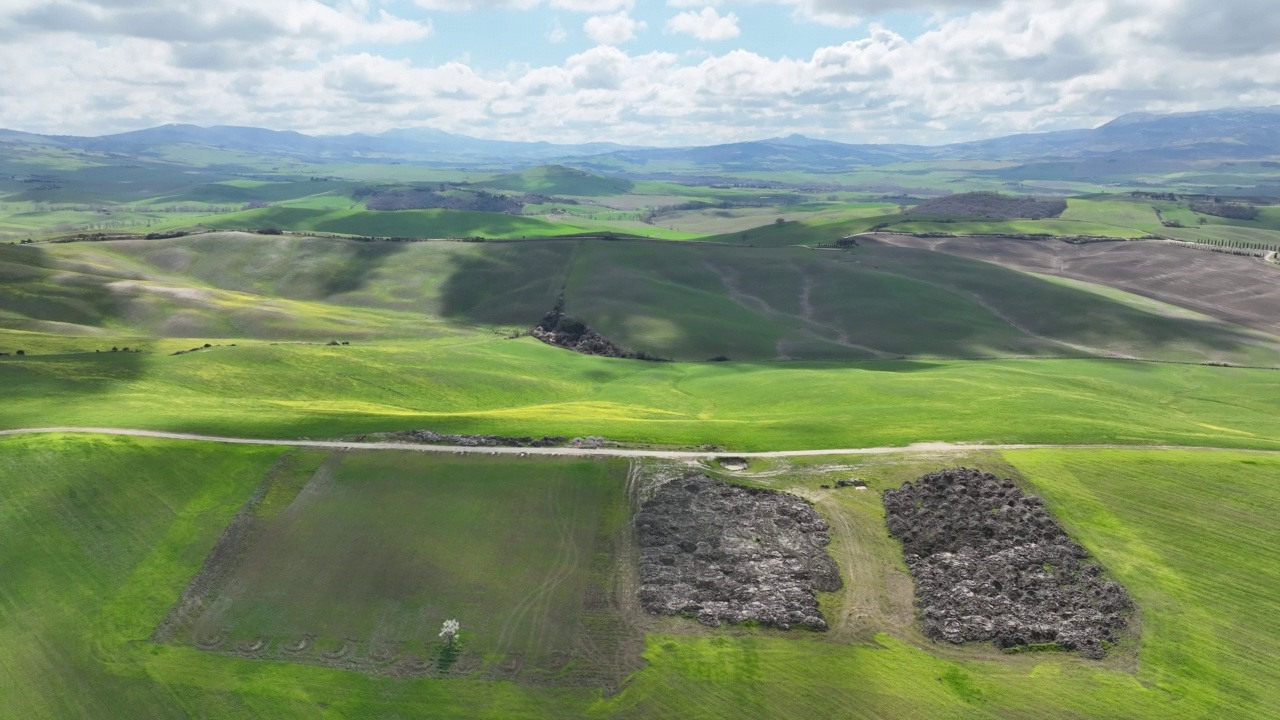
560	330
1233	211
424	199
991	205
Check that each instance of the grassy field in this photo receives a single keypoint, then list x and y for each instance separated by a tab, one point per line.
1194	539
521	387
272	287
878	301
401	223
360	561
680	301
1199	560
143	578
92	567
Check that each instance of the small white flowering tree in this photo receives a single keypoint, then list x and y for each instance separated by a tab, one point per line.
449	632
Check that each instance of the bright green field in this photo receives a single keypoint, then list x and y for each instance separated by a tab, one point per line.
522	387
98	536
376	550
401	223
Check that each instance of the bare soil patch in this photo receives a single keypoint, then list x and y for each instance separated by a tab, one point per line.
992	564
1241	290
725	553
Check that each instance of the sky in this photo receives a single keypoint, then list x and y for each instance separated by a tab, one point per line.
669	72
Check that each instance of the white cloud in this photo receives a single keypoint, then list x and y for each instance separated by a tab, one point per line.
583	6
557	33
465	5
612	29
1023	65
593	6
192	21
705	25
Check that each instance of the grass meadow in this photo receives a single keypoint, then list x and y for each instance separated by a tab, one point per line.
362	554
519	387
361	565
100	536
873	302
686	302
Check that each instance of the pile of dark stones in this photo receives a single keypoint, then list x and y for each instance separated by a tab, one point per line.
431	437
728	554
570	333
991	564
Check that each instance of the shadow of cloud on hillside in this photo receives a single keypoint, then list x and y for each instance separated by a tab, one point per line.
363	262
39	388
909	305
884	366
505	284
36	286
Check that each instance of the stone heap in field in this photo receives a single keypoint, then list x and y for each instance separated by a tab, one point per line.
990	563
725	553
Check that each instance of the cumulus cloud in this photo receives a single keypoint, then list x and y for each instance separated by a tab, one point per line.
193	21
612	29
584	6
463	5
849	13
593	6
1021	65
705	25
1223	28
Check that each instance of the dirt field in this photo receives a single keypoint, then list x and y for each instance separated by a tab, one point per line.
360	566
1236	289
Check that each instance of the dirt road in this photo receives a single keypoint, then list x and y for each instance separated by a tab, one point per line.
930	447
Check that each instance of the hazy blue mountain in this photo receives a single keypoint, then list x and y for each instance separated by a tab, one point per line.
1231	133
1226	134
417	144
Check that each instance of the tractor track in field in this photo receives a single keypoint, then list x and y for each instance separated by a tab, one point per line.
922	447
833	334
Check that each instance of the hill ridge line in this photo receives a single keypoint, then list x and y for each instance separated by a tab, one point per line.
924	447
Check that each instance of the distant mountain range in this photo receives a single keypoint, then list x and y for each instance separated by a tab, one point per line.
1252	133
421	144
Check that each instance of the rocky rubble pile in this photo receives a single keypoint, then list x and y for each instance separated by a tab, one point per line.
724	553
992	564
431	437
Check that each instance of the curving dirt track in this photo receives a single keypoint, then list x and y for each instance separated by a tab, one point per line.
925	447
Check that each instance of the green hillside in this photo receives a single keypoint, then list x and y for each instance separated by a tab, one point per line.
876	301
559	180
686	302
401	223
158	578
276	287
